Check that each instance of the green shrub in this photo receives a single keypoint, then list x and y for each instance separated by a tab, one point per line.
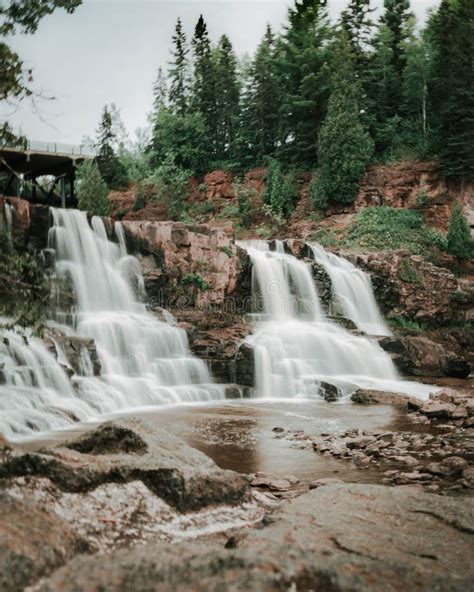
245	197
228	251
206	207
92	190
139	197
408	273
422	200
195	279
171	183
324	237
202	187
459	241
404	323
280	192
388	229
229	211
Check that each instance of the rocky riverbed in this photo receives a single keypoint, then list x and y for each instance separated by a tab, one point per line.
133	505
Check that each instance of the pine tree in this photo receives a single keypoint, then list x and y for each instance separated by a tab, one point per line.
452	88
396	18
204	86
228	100
459	241
304	76
261	103
92	190
178	73
111	169
160	93
358	25
345	147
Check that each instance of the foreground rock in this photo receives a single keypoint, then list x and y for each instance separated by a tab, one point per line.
336	538
33	542
127	451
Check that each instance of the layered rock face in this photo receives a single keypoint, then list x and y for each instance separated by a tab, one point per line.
197	263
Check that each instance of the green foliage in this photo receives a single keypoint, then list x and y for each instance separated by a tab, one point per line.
178	73
388	229
202	187
206	207
422	200
404	323
324	237
185	136
228	251
139	197
92	191
245	198
171	182
408	273
280	192
459	241
344	145
23	291
111	168
195	279
452	88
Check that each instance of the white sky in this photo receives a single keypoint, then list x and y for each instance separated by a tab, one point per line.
109	51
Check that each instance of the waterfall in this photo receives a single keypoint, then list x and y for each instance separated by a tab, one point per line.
353	290
297	348
145	361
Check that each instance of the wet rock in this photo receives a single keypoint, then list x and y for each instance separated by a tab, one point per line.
361	442
468	474
306	546
33	542
324	481
438	409
244	365
183	477
330	392
451	466
368	396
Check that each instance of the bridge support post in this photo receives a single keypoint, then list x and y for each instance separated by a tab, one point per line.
63	191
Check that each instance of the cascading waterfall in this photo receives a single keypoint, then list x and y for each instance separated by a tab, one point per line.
297	347
145	362
353	290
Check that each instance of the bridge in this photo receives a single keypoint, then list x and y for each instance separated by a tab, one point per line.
41	172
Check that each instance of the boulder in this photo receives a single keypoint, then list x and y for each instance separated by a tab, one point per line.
398	539
33	542
131	450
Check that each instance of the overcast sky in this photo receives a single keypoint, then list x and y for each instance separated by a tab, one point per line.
109	51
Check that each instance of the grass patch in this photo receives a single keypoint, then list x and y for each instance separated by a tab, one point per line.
389	229
195	279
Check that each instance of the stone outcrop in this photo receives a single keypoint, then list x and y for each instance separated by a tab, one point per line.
128	451
399	539
194	265
34	541
80	352
409	286
418	355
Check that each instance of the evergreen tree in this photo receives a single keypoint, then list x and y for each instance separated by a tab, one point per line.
261	103
396	18
171	183
304	76
92	190
227	100
178	73
160	93
280	191
358	25
345	147
204	85
111	169
452	88
185	136
459	241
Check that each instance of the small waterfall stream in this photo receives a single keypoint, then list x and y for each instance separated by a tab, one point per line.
353	290
145	362
297	347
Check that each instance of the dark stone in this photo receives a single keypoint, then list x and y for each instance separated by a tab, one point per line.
329	392
185	478
244	365
456	367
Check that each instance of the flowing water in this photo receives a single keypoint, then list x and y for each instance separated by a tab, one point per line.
297	348
353	291
145	362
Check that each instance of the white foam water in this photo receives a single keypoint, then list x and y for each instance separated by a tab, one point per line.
353	290
297	347
145	361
